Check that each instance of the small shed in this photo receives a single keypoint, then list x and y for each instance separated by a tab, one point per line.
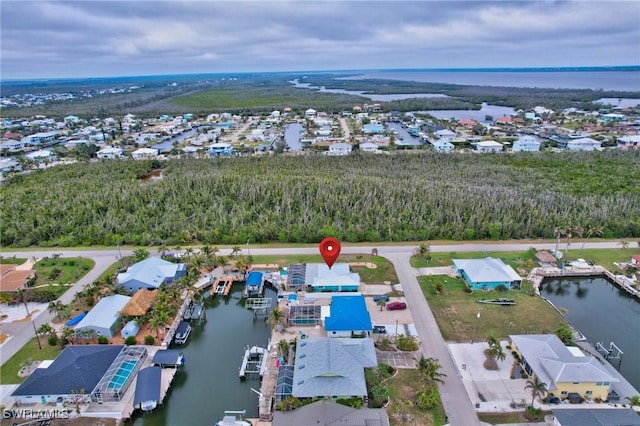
130	329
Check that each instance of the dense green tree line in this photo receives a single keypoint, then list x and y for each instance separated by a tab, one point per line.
401	197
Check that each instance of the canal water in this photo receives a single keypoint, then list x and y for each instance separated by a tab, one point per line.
603	313
208	384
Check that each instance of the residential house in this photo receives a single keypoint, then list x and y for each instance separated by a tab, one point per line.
332	368
144	153
76	367
104	318
443	145
39	138
445	134
12	145
583	144
635	260
348	317
329	413
629	142
13	279
488	146
595	417
109	152
372	128
338	149
41	155
368	147
526	143
310	112
335	279
487	274
565	370
220	149
150	274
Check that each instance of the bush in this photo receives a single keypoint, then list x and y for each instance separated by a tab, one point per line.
149	340
52	340
426	399
468	290
102	340
502	287
407	343
130	340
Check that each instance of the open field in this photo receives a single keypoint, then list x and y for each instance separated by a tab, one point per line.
402	388
456	311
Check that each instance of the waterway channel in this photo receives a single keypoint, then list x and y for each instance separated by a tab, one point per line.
208	384
603	313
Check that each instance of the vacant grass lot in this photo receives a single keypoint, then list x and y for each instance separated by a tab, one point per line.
12	260
384	270
57	274
456	311
29	352
402	388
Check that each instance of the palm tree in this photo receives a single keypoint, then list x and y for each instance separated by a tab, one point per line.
623	245
634	400
593	231
53	308
429	369
538	388
235	250
276	317
242	264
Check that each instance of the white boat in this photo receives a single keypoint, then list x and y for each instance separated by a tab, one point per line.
230	419
182	333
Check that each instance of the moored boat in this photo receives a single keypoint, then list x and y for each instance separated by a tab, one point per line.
500	301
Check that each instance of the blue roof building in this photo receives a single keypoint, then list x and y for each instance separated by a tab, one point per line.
487	274
150	274
348	317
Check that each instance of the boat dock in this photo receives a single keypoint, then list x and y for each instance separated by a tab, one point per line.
195	312
222	285
254	362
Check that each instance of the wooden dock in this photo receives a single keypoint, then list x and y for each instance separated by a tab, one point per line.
538	274
222	285
268	387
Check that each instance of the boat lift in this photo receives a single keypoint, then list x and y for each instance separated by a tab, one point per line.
614	352
259	305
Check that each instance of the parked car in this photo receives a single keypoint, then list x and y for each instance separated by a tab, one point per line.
396	306
379	297
380	329
554	400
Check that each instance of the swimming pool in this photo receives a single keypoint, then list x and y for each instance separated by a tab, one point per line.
122	375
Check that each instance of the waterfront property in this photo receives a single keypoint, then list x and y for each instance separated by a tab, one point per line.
487	274
329	413
595	417
104	318
348	317
150	274
565	370
254	284
332	368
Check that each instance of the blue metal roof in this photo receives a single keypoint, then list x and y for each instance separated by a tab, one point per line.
348	313
254	278
168	357
148	385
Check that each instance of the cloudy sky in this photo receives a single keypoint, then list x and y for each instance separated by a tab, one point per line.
109	38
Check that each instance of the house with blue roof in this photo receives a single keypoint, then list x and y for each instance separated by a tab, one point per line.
332	368
150	274
76	367
487	274
348	317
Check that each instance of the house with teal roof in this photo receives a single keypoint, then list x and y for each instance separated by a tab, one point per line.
487	274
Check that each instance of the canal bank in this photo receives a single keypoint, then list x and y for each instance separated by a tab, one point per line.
209	385
603	313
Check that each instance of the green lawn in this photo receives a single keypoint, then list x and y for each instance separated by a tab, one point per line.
12	260
456	311
518	260
402	388
602	257
504	418
384	270
62	270
30	351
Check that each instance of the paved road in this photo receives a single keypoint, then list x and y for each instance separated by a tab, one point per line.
454	397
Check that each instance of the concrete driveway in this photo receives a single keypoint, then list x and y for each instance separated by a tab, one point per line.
397	359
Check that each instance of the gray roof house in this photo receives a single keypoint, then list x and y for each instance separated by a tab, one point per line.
150	274
332	368
104	317
596	417
329	413
487	273
77	367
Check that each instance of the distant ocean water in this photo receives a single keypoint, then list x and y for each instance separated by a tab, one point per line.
628	81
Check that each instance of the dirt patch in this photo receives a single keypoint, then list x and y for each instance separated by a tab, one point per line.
28	369
3	338
369	265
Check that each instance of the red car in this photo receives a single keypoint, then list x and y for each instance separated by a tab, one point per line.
396	306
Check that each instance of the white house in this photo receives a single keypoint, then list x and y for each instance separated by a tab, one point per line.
368	147
526	143
109	152
38	138
629	142
12	145
339	149
40	155
583	144
144	153
488	146
443	145
310	112
445	134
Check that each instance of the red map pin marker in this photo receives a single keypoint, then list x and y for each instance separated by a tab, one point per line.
330	250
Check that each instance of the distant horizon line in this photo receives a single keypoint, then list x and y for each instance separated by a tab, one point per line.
603	68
